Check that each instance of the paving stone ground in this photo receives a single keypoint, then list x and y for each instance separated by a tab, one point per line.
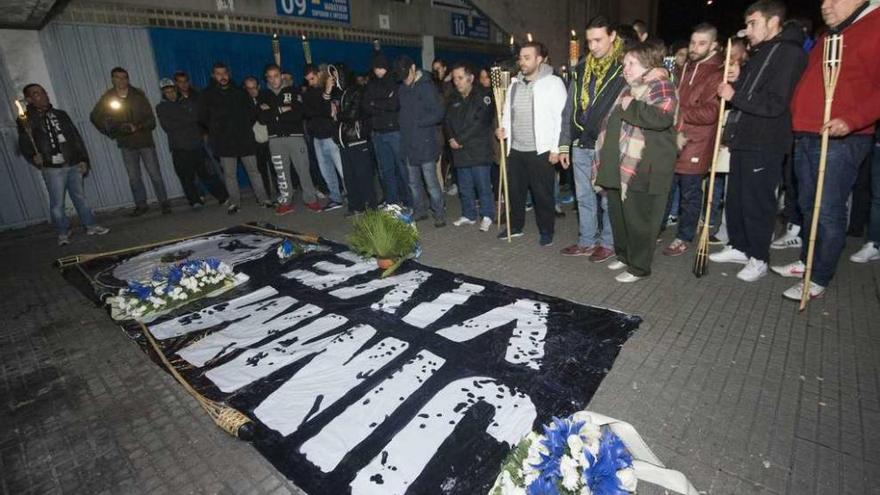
726	381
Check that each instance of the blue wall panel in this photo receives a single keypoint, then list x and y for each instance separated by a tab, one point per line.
478	59
246	54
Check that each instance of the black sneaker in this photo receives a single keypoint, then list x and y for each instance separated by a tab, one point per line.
559	213
232	210
546	240
138	211
419	218
333	205
715	241
439	223
503	234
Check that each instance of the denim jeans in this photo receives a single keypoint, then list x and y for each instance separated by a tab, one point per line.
428	172
475	179
132	157
589	202
842	166
330	162
690	188
392	168
68	180
874	218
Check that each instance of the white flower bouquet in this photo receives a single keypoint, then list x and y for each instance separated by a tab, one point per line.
574	456
172	288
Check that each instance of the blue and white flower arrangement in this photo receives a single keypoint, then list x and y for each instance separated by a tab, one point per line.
169	288
288	249
573	456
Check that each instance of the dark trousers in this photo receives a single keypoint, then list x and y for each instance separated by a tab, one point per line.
191	164
635	224
751	200
267	170
792	211
842	167
861	201
527	170
690	204
358	167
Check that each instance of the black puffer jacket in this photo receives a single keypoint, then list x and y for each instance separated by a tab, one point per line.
73	148
469	122
352	127
380	102
289	123
760	118
229	116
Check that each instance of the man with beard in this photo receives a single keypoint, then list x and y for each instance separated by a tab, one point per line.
759	135
531	123
319	108
281	110
125	115
251	86
596	82
698	122
228	114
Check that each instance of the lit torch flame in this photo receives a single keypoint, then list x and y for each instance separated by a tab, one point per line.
115	105
21	114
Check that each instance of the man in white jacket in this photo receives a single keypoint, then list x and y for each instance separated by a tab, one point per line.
531	124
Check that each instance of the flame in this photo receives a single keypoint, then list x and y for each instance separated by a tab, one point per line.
511	40
529	37
573	35
115	105
20	109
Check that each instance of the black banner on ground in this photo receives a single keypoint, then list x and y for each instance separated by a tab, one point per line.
417	383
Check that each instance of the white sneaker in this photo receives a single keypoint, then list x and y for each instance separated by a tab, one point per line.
729	255
794	292
791	270
754	270
789	239
627	278
616	265
63	239
463	221
485	223
97	230
869	252
452	190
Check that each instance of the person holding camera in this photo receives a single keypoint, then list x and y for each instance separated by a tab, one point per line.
124	114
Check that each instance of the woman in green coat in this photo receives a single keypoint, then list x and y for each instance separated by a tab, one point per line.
636	160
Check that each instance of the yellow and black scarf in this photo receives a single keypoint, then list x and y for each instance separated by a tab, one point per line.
596	69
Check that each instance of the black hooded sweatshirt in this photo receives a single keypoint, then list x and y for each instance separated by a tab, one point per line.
380	100
760	118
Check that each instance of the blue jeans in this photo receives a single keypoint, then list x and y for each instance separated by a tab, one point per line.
330	162
844	157
475	179
674	201
690	188
392	168
874	218
66	180
589	203
428	172
132	159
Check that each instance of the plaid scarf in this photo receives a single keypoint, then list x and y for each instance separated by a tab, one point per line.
659	93
595	69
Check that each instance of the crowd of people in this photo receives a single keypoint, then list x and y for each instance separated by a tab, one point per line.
631	128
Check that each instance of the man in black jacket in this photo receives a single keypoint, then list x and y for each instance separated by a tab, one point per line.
251	86
353	138
229	116
124	114
381	105
180	121
759	135
281	111
53	144
320	110
468	128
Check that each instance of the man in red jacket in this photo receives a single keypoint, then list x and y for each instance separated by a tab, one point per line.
698	107
856	108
